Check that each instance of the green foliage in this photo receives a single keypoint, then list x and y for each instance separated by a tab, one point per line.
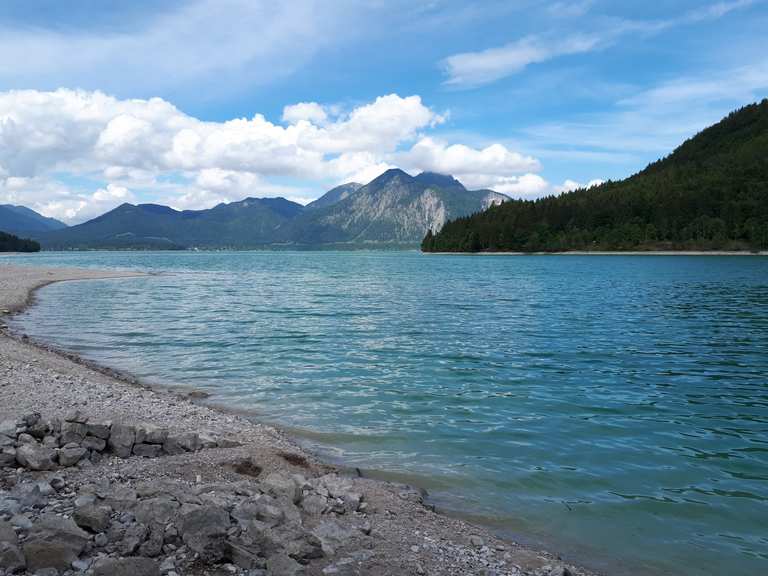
709	194
11	243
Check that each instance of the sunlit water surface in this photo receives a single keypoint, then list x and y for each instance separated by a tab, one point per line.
613	408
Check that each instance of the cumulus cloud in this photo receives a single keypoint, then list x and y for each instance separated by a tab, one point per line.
571	185
132	148
310	111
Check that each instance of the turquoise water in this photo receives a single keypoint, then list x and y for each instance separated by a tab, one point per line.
614	408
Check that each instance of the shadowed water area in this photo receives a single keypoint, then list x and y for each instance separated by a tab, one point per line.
614	408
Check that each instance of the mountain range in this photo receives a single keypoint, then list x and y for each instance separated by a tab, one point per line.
711	193
393	210
24	221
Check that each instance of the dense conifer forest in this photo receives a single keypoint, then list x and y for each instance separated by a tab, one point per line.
711	193
11	243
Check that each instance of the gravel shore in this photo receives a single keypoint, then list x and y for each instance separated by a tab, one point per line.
327	524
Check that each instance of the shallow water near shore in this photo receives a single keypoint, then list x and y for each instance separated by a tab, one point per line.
613	408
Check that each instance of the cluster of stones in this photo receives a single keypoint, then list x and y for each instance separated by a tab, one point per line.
37	444
270	526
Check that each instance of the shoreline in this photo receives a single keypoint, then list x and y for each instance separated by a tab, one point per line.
617	253
465	548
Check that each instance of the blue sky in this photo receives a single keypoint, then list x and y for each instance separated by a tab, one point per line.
192	103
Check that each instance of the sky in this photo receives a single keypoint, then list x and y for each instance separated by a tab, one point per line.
196	102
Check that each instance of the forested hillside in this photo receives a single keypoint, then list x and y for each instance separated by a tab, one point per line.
711	193
11	243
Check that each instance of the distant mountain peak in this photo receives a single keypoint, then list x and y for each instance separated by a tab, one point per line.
389	175
439	180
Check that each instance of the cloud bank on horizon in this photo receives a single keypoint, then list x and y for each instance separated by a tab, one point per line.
203	102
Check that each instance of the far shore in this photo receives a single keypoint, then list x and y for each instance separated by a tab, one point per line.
616	253
404	534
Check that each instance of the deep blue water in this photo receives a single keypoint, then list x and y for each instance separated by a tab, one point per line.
612	407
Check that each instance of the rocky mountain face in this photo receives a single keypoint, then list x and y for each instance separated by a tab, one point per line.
22	220
335	195
393	209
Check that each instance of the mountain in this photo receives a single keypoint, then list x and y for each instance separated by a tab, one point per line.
394	209
711	193
335	195
248	223
11	243
22	220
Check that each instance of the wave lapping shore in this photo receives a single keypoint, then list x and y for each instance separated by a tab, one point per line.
101	475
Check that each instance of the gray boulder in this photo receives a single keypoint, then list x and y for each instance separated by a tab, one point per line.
126	567
72	432
283	565
204	530
282	485
333	536
121	440
71	454
8	457
147	450
36	457
159	510
11	558
133	537
98	430
150	434
92	517
54	542
94	443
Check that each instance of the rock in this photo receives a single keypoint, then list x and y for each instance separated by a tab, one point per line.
94	443
8	457
560	571
72	432
53	542
51	441
36	457
333	536
71	454
100	540
147	450
92	517
126	567
172	447
82	565
11	558
26	439
39	429
57	483
282	485
150	434
207	440
21	521
98	430
314	504
189	441
30	419
154	544
8	428
133	537
121	439
204	530
76	416
283	565
243	556
342	489
263	508
121	497
7	441
159	510
476	541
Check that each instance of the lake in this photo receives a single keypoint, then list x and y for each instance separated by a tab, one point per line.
613	408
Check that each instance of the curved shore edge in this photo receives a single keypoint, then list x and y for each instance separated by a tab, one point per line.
388	531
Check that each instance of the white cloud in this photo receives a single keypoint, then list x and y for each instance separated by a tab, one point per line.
310	111
571	185
55	145
234	42
431	155
472	69
523	186
477	68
